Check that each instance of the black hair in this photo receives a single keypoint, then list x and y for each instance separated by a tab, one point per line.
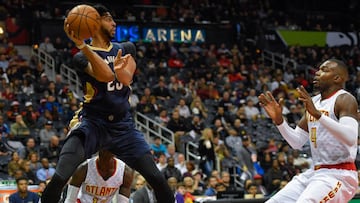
101	9
21	178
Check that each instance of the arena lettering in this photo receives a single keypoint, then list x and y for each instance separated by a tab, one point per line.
332	193
313	119
100	191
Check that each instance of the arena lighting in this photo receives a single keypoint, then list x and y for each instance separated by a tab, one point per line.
2	28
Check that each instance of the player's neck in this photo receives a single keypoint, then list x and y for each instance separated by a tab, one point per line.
329	93
100	42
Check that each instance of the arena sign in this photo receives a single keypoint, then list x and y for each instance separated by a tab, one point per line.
173	34
316	38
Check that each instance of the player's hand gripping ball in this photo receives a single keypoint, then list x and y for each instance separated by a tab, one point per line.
84	21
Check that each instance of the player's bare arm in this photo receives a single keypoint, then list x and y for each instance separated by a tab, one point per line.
346	105
96	66
125	188
124	67
77	179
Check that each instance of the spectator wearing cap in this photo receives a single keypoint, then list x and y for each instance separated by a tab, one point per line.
243	156
19	130
46	133
42	85
13	111
30	115
42	106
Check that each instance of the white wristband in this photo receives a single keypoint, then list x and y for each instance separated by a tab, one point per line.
81	46
72	193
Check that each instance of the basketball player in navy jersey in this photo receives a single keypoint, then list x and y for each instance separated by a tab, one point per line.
106	70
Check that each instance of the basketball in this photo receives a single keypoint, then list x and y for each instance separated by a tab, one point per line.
84	20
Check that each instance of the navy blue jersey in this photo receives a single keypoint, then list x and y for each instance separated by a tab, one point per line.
101	98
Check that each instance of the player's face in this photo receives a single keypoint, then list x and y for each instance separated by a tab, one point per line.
108	25
22	186
325	75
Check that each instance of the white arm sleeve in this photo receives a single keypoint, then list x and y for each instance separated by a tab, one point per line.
72	193
122	199
346	130
295	137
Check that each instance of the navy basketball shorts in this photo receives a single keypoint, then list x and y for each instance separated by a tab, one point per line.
121	138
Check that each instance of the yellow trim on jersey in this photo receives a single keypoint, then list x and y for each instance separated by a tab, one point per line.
101	49
75	119
90	92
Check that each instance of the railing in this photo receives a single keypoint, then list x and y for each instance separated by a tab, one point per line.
278	60
70	76
47	60
151	128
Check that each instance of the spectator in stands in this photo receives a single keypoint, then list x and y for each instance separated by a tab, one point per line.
171	152
144	194
46	133
52	151
19	130
190	169
34	161
190	186
183	109
161	91
30	115
172	182
163	117
54	107
211	186
179	126
162	162
251	111
28	148
4	128
223	154
181	163
158	147
23	194
225	101
243	156
226	180
223	116
28	173
13	111
27	87
252	192
14	164
180	193
273	177
196	127
47	46
198	108
46	172
207	151
51	90
171	171
233	141
43	83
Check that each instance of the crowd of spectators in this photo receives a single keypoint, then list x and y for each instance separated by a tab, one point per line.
204	93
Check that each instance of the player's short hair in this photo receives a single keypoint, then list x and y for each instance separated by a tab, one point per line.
20	179
101	9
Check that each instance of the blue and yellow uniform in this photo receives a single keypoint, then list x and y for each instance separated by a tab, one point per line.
105	119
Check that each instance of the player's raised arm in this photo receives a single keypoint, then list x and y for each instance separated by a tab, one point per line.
96	66
295	137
